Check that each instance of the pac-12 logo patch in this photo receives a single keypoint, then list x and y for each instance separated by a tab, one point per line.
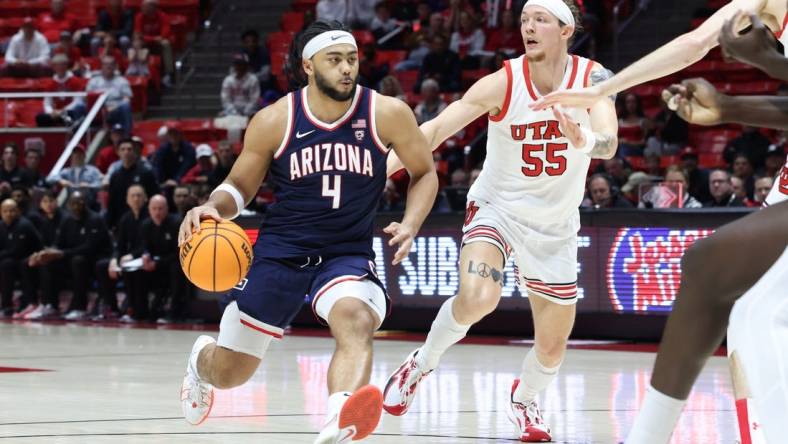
241	285
644	267
359	135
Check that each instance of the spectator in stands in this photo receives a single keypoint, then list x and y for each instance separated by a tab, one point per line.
740	191
383	24
129	173
74	61
442	65
10	174
162	270
47	218
721	190
62	111
675	175
468	42
371	72
631	189
752	143
32	169
27	54
109	48
225	157
154	26
698	178
173	159
672	133
259	59
416	55
743	169
80	176
56	21
82	239
604	193
390	86
507	38
240	89
18	240
183	200
391	199
201	193
652	165
763	185
632	127
360	13
454	12
617	171
21	194
775	159
115	21
201	172
423	13
118	104
438	26
138	58
139	146
432	104
127	247
331	10
109	154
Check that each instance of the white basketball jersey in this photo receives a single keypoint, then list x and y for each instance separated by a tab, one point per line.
531	171
779	191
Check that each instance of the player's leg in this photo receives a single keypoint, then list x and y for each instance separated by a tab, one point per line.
261	307
354	305
481	281
716	271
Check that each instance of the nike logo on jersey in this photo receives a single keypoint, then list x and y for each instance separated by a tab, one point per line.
299	135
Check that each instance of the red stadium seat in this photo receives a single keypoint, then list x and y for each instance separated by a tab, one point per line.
390	57
278	60
304	5
363	37
292	21
407	79
666	161
280	41
139	89
711	160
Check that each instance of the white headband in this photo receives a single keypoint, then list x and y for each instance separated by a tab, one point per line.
326	39
556	7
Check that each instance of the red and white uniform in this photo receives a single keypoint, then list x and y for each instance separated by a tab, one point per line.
526	198
779	191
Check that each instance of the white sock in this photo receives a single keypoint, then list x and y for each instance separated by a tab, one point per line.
657	418
534	378
200	344
444	333
335	403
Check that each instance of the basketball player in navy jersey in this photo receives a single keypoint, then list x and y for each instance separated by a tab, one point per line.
324	148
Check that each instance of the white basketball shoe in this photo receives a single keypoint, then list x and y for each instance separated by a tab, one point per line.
196	395
528	420
357	419
401	386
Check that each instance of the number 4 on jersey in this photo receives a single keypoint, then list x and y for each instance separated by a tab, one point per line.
333	192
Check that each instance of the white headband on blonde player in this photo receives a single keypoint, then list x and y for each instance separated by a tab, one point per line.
556	7
326	39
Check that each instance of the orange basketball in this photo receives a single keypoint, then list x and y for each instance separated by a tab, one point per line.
218	257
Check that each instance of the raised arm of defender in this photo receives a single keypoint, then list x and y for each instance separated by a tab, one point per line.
397	127
674	56
485	96
263	137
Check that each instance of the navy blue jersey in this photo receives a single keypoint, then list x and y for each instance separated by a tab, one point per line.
327	179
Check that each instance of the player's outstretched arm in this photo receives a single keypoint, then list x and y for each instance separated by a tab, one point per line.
485	96
756	47
262	138
397	127
698	102
671	57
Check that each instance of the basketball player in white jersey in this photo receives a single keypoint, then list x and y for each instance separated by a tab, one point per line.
738	277
524	203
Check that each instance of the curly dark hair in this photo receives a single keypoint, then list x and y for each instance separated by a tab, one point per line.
296	76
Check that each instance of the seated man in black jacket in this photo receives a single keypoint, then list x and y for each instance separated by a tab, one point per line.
18	240
132	171
161	270
127	248
82	239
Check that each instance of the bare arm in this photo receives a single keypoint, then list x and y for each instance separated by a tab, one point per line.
604	121
761	111
397	127
263	136
486	95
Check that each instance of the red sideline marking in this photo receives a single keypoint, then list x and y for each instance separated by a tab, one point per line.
21	370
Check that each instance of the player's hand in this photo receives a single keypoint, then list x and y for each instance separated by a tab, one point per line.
756	47
580	98
402	235
191	222
569	128
696	101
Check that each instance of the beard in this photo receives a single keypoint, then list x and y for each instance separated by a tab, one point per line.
324	87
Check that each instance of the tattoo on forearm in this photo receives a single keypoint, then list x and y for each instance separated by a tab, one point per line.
604	148
486	271
600	75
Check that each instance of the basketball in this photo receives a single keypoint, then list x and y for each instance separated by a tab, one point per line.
218	257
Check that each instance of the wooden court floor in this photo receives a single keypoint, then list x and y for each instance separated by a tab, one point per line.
109	385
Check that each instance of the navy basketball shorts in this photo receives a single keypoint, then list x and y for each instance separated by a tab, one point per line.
273	292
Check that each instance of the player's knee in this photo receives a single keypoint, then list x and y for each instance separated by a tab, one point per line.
353	320
477	302
551	350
